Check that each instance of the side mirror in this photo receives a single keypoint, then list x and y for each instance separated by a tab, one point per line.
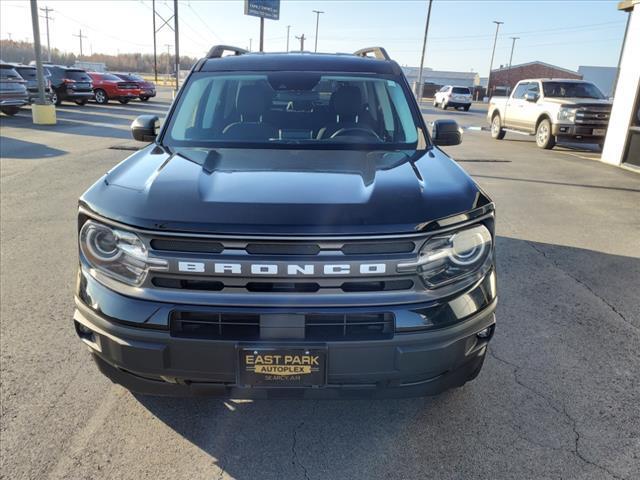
531	97
446	132
145	128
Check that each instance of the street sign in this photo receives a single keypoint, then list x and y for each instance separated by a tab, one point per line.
263	8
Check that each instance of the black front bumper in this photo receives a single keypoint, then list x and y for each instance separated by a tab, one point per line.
144	357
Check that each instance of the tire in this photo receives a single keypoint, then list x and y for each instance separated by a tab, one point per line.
81	102
466	108
124	101
497	132
101	96
55	98
11	111
444	105
544	137
144	99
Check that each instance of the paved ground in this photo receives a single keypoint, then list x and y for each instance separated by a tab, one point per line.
558	397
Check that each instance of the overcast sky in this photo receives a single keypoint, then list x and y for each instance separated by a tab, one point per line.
564	33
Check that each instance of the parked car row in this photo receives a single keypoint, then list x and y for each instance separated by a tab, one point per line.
19	86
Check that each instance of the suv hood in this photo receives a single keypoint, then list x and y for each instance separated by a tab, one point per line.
283	192
578	101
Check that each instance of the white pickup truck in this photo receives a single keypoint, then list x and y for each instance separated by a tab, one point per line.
554	110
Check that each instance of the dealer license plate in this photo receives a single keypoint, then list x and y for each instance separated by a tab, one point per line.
282	367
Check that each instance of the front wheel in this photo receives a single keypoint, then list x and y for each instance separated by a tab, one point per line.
55	98
144	99
124	101
11	111
466	108
544	137
497	131
444	105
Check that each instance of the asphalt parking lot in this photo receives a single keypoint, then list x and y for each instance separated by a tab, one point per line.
558	397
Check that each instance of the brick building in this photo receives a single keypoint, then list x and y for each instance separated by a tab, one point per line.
504	79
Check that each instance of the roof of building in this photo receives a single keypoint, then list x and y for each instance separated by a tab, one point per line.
555	67
300	61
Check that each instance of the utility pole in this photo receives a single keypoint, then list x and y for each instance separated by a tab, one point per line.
175	24
424	48
156	30
302	38
262	34
36	42
250	43
495	40
317	12
80	36
46	11
155	57
513	44
288	28
168	58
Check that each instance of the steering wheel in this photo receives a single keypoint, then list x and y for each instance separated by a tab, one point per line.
357	131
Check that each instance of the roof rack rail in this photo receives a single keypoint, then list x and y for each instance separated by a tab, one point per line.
217	51
378	52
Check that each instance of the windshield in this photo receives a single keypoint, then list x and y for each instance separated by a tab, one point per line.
571	90
305	109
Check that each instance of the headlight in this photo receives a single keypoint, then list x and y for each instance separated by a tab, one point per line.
567	114
117	253
447	258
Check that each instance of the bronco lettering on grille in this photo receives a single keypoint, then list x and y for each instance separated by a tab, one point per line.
288	269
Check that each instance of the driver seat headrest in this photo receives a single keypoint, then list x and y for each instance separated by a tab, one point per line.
346	101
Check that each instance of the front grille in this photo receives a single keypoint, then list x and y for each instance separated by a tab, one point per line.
597	116
289	266
212	285
318	327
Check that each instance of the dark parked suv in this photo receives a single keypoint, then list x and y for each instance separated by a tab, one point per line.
13	90
28	72
70	84
291	230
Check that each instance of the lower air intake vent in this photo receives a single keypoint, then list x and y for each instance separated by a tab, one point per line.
318	327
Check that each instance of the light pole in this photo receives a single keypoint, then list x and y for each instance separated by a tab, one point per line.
317	12
302	38
288	28
495	39
424	48
513	44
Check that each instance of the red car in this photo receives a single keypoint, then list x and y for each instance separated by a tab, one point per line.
106	86
147	89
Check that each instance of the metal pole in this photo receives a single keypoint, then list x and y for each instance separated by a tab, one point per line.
424	48
624	42
288	28
46	11
155	54
36	42
302	38
262	34
175	24
495	40
317	12
513	44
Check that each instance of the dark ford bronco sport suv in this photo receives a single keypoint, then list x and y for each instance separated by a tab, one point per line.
291	230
